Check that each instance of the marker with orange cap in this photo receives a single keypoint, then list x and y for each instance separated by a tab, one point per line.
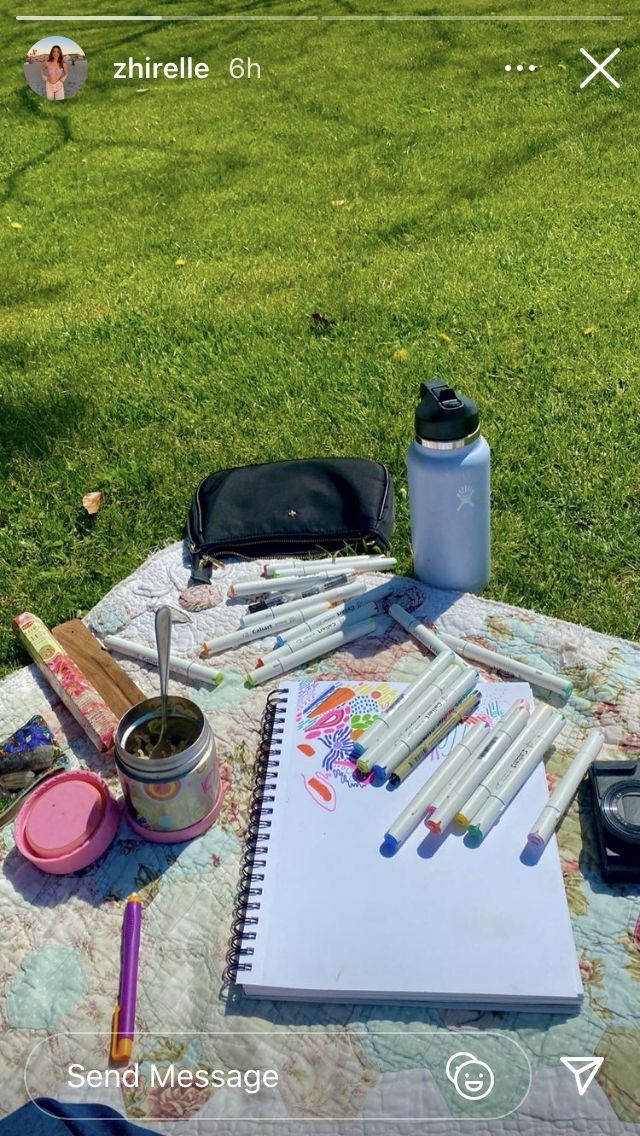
497	741
124	1016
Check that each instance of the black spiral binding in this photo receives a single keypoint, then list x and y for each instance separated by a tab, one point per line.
246	913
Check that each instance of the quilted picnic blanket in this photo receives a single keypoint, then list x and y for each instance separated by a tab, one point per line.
341	1068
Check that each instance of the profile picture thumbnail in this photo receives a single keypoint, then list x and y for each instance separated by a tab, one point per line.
55	68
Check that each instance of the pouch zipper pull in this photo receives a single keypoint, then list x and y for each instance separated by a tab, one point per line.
201	570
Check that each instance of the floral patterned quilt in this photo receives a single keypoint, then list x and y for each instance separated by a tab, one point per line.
59	952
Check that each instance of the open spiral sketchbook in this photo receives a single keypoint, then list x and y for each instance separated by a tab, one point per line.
332	917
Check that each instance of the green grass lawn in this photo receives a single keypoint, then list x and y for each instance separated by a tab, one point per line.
389	176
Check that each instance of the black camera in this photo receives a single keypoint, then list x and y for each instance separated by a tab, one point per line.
616	791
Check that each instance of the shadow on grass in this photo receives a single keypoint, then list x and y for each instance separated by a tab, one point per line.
33	105
34	426
24	292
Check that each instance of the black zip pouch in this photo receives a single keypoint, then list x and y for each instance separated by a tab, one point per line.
290	508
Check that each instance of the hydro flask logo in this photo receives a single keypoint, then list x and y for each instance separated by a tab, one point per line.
465	497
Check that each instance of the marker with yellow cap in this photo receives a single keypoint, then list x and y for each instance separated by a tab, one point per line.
496	742
514	754
421	804
124	1016
512	780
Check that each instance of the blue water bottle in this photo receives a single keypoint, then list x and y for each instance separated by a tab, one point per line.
449	492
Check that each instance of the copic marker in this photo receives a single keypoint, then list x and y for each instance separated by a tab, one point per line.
421	804
381	564
381	726
329	597
557	684
262	587
322	562
441	786
433	694
416	628
277	604
313	634
300	594
496	742
313	651
188	668
348	607
566	790
512	781
516	751
456	715
262	630
421	723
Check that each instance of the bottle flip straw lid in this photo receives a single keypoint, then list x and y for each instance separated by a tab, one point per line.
444	416
67	823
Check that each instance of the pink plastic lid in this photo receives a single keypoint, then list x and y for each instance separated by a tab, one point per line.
67	822
62	819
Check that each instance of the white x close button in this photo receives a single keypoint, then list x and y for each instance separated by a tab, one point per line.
600	68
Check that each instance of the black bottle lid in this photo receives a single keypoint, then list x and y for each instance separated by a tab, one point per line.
443	415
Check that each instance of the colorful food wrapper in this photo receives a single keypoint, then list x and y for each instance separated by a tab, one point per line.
26	758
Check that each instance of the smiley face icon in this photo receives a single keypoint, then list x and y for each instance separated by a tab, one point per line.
471	1078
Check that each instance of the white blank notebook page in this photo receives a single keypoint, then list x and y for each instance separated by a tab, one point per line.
437	921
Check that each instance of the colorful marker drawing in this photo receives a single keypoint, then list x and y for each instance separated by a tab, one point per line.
308	699
307	750
338	745
322	792
337	697
329	723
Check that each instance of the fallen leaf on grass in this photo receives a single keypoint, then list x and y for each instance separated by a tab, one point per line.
589	331
16	225
401	355
444	338
340	201
181	261
92	502
142	90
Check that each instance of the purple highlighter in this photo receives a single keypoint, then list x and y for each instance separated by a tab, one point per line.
124	1016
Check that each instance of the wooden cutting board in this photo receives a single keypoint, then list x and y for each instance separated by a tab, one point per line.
108	677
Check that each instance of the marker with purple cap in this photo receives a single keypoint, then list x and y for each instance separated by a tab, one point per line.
124	1016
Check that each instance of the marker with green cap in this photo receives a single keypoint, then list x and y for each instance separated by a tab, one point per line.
517	749
498	739
423	802
512	781
557	684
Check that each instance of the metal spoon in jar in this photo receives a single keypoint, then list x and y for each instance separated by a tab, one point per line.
164	616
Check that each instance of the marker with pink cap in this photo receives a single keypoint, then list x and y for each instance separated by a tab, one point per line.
566	790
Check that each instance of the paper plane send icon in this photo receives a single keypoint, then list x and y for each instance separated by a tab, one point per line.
584	1070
